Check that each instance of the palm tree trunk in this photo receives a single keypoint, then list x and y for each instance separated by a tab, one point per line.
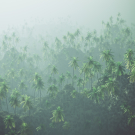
91	83
73	77
40	97
34	95
15	110
6	103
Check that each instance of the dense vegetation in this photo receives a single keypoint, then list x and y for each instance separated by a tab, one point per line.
81	84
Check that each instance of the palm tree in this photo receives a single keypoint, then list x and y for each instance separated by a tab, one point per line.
50	79
14	101
41	127
4	90
11	74
73	63
61	79
36	76
37	58
58	115
102	89
71	39
129	59
20	59
27	104
97	67
120	69
54	71
25	129
22	86
91	75
68	76
45	48
21	72
53	89
58	44
79	83
88	38
107	56
25	49
2	95
94	95
39	85
9	121
66	125
111	85
111	66
90	62
76	34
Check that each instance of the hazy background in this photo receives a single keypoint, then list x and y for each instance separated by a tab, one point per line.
87	13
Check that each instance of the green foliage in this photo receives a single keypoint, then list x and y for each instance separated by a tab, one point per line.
41	127
73	93
9	121
66	125
58	115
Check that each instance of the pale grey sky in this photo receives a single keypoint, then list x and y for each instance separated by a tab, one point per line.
85	12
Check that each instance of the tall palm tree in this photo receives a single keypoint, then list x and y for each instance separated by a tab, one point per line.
45	48
4	90
58	115
90	62
111	66
79	83
2	95
58	44
97	67
14	101
88	38
107	56
39	85
119	71
22	86
61	80
91	75
54	71
27	103
73	63
76	35
53	90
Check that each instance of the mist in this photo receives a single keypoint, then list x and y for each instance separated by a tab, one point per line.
67	67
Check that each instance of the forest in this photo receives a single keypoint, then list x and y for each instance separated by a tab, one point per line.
80	83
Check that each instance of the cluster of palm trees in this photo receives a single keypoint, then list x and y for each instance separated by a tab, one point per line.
94	81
